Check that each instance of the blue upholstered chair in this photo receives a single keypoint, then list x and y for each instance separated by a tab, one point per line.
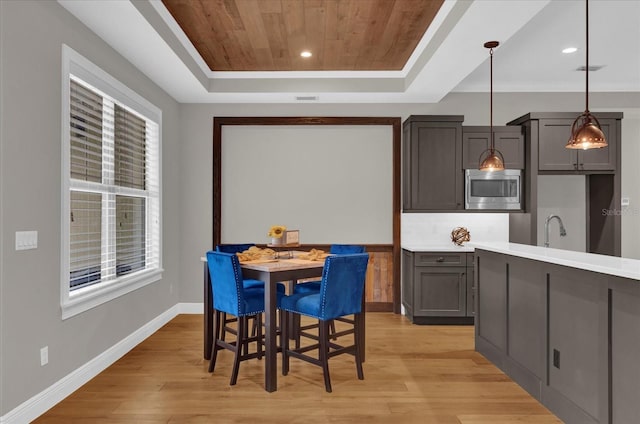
247	283
232	298
314	286
340	294
335	249
237	248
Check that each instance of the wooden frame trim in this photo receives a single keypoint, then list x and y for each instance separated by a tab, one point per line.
395	123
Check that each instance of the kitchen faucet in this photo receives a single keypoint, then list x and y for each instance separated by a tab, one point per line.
563	232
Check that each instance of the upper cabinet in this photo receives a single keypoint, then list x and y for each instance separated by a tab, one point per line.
553	156
508	140
432	163
551	131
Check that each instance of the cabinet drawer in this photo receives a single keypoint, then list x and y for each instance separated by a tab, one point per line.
440	259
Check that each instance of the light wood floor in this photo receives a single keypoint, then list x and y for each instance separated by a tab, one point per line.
413	374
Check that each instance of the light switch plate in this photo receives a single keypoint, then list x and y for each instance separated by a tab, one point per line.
26	240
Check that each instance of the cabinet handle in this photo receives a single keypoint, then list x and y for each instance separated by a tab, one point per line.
582	166
440	259
575	166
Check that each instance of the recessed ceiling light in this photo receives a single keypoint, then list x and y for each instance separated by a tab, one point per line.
305	54
570	50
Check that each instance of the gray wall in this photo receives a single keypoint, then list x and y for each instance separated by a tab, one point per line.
565	196
32	33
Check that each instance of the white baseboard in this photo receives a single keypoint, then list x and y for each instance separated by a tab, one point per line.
191	308
45	400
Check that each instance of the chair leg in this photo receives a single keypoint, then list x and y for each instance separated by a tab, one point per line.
254	329
356	340
285	317
242	330
257	332
217	316
332	327
224	325
323	335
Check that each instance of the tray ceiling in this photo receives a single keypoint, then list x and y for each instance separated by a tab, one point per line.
269	35
378	51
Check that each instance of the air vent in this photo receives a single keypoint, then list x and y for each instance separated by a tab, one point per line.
307	98
592	68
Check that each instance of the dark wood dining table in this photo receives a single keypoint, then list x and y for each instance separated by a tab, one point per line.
291	269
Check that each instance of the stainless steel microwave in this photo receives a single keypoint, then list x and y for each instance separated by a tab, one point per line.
493	190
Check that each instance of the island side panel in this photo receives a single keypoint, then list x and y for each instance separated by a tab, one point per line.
526	323
577	345
491	311
625	351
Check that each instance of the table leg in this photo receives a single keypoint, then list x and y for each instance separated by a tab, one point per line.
271	347
208	315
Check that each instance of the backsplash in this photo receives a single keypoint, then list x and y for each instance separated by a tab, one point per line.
435	228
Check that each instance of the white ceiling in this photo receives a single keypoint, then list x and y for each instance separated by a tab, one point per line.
450	57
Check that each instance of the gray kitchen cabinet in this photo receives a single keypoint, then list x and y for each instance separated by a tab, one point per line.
549	133
435	287
407	270
509	140
546	134
553	156
432	164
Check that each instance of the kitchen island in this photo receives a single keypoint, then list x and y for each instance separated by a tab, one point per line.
565	326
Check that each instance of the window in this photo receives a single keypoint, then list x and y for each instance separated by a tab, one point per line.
111	196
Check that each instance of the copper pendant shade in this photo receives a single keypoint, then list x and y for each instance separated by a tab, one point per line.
491	159
585	131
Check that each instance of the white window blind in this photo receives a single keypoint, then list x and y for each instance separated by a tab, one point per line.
113	189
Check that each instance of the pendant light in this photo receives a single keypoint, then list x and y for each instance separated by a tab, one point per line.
491	159
585	131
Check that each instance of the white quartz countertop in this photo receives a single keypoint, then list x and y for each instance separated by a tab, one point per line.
611	265
448	247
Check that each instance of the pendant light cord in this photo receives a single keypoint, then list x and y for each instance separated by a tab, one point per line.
491	101
587	67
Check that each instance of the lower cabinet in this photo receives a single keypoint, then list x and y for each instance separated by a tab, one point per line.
438	287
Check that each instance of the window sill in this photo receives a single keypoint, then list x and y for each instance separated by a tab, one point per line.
82	300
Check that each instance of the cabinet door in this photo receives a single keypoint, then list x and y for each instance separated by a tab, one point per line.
554	156
436	166
511	145
601	159
407	282
440	291
508	140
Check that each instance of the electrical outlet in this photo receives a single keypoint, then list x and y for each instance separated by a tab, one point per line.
556	358
44	356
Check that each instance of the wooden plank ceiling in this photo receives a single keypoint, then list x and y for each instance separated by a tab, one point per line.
269	35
